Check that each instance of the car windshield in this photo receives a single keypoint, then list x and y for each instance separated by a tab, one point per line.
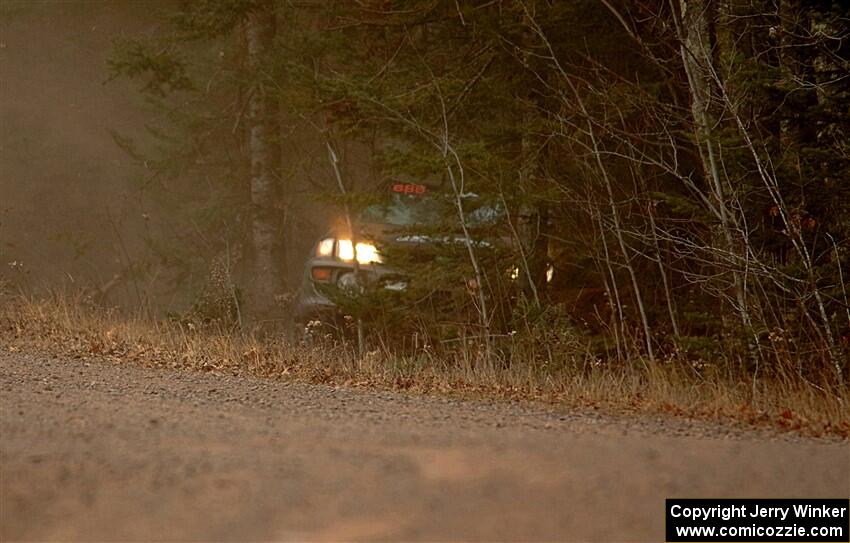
404	210
417	209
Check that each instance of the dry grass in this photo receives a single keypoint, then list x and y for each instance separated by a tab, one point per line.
69	326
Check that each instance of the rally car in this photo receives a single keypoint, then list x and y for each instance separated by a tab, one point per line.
340	261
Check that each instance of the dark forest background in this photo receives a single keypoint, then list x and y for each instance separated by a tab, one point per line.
674	175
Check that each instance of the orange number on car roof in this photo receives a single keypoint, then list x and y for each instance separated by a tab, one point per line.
409	188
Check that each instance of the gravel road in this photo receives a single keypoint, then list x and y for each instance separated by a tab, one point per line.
99	451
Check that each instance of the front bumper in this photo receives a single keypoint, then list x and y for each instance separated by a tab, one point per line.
312	304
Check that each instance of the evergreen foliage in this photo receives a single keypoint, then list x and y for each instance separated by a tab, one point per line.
686	196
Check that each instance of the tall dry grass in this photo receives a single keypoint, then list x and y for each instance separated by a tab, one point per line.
73	326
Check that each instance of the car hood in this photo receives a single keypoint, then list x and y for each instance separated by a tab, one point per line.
408	236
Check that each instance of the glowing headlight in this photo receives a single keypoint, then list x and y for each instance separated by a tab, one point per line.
366	252
326	247
344	250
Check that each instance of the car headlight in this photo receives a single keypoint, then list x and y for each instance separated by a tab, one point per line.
366	253
325	247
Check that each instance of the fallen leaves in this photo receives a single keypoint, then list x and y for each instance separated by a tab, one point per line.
84	333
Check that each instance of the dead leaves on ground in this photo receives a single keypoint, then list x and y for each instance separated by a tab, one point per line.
85	336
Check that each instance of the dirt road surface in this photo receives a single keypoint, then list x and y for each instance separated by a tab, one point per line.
98	451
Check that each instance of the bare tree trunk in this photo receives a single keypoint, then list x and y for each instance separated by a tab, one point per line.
695	29
662	271
353	234
531	221
618	231
619	327
264	149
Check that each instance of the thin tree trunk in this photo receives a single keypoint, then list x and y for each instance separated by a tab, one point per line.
618	232
668	294
614	301
694	27
615	215
264	149
531	220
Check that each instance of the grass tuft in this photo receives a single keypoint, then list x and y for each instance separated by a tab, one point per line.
72	326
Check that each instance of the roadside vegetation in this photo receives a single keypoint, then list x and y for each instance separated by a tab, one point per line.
645	205
564	374
671	178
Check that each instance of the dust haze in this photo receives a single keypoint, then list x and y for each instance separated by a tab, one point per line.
68	191
74	209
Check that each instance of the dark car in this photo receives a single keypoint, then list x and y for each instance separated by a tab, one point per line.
339	262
